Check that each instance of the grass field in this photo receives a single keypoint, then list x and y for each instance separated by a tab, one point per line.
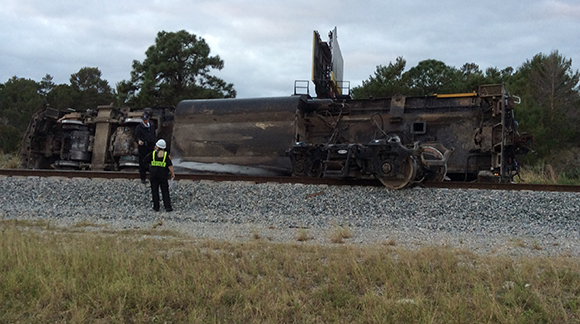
72	275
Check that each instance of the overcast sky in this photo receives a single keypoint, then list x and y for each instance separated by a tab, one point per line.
267	44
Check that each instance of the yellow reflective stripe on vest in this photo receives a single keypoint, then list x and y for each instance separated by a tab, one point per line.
159	163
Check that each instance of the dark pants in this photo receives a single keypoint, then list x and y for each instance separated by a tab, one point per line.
143	167
157	183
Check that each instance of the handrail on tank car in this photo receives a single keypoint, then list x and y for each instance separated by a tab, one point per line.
299	84
344	87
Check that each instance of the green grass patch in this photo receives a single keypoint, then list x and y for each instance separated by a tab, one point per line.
545	174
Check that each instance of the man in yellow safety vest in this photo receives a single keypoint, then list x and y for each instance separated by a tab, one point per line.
160	168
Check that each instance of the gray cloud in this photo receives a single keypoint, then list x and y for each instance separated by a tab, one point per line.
266	45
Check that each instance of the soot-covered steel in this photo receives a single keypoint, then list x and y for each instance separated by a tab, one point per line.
247	132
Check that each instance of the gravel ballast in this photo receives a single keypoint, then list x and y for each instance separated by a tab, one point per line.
515	223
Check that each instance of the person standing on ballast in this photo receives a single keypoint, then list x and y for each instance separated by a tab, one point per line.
160	170
145	138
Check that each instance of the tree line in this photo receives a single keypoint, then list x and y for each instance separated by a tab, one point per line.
178	66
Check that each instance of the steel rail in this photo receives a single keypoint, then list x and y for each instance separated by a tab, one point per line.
503	186
183	176
285	179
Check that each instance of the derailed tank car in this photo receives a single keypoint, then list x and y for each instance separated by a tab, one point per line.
399	140
100	139
249	136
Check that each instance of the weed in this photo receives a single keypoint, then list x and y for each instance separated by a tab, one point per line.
391	242
157	224
545	174
84	223
9	161
134	276
339	233
518	243
302	235
23	223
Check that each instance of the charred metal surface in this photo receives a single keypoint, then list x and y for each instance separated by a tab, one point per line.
103	124
400	141
99	139
254	132
403	140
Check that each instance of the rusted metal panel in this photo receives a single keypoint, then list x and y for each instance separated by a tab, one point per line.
462	123
102	133
397	140
250	132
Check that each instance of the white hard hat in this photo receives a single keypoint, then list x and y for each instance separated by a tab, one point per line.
161	144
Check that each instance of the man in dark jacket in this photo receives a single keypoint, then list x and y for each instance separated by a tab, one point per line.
160	169
145	138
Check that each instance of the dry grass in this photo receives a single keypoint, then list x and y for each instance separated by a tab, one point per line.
339	233
9	161
87	224
539	174
59	276
303	235
545	174
391	242
518	243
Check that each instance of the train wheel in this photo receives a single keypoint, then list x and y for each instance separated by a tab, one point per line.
315	169
407	173
438	169
438	175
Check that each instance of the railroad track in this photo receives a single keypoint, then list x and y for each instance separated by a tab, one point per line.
282	179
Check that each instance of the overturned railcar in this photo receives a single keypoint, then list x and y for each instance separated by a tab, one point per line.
404	140
399	140
237	135
100	139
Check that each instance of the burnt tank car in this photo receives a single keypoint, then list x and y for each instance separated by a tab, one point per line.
402	140
237	134
100	139
399	140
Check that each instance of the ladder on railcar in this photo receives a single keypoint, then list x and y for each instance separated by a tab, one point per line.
338	159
